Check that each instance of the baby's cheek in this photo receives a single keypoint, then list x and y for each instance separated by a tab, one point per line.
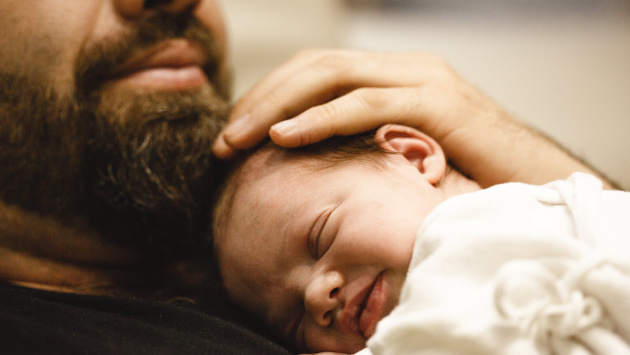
320	340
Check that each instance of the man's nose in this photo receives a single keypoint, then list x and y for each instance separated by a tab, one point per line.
321	297
136	8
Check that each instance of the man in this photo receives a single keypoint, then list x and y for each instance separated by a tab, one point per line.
108	111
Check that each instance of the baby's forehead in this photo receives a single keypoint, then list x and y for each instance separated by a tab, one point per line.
273	162
274	170
251	179
262	162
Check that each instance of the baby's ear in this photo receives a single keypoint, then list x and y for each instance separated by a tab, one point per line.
419	149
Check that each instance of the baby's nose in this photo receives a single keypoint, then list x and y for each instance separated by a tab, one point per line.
321	297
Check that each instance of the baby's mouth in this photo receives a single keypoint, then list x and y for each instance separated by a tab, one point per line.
372	308
363	312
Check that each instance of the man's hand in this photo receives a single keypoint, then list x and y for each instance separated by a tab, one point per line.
321	93
328	92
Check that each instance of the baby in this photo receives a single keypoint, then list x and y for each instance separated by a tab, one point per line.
324	243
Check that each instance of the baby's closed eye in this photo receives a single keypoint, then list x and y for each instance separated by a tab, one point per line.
317	246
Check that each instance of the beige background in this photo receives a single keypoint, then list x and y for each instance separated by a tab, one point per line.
563	66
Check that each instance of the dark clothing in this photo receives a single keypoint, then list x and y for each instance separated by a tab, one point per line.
41	322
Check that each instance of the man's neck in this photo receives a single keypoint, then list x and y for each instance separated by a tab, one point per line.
42	252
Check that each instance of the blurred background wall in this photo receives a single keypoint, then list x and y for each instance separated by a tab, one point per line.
561	65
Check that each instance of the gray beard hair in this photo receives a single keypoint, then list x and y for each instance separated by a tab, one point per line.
139	167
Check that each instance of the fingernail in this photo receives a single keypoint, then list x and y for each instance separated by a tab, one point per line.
234	128
285	127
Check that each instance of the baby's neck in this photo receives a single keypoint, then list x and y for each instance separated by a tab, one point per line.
454	183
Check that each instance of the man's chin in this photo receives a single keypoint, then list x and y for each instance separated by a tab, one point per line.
144	97
152	158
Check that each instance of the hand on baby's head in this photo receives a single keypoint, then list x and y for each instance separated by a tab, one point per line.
318	248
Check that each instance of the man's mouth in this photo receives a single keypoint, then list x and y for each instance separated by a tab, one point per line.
365	309
172	65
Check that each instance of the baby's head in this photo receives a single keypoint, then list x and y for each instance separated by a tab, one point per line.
316	243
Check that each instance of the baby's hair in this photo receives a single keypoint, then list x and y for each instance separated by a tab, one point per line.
338	149
362	148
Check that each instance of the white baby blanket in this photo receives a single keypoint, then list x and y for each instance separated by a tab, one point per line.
518	269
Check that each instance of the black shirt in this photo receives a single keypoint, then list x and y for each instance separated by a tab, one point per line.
42	322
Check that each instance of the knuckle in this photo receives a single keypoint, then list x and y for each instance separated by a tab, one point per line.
313	53
334	62
323	123
328	113
371	98
431	58
274	105
439	67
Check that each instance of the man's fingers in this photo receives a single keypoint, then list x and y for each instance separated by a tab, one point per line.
266	105
324	79
359	111
241	134
309	70
272	80
221	149
314	78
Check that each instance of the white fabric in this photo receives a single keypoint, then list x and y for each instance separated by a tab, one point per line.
518	269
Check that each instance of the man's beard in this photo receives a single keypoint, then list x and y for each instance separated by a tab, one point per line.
153	168
138	166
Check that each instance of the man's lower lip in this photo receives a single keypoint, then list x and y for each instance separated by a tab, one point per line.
373	308
180	78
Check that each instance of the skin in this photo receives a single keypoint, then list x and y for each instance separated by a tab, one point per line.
297	254
43	41
53	45
47	49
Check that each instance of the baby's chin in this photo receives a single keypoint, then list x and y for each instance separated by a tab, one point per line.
349	347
